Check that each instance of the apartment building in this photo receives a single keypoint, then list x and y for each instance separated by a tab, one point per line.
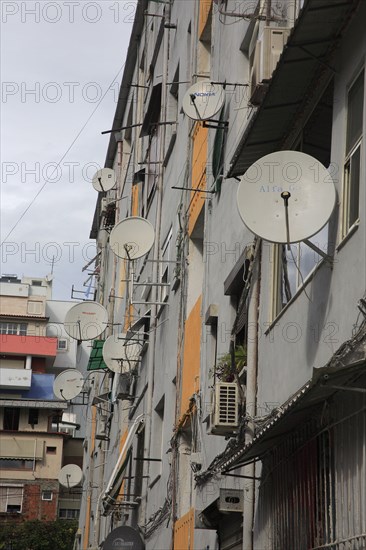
242	424
39	434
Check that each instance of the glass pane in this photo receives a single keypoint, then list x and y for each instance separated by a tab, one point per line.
309	258
355	112
354	187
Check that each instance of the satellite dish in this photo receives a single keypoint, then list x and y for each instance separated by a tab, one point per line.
286	197
203	100
86	321
132	238
68	384
104	180
118	352
70	476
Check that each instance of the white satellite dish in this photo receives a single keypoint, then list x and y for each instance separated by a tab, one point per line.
104	180
203	100
86	321
70	476
118	353
68	384
286	197
132	238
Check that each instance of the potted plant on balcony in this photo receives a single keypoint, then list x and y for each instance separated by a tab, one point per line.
223	368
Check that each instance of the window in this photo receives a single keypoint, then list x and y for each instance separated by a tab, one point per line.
62	344
11	418
15	464
352	166
51	450
33	416
13	328
11	499
165	265
35	308
292	267
68	513
157	446
47	495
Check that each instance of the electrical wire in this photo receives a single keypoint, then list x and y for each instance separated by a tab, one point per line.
62	158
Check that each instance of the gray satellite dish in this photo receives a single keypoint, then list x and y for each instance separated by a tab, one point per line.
286	197
118	353
68	384
104	180
86	321
70	476
203	100
132	238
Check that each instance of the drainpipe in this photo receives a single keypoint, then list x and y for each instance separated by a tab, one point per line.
251	405
155	272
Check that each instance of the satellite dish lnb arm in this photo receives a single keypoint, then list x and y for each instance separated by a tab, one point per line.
193	99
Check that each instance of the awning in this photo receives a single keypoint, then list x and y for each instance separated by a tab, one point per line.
302	72
112	490
33	403
13	448
96	361
309	400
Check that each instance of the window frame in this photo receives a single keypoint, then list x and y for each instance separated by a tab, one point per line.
62	349
347	226
17	329
46	491
11	488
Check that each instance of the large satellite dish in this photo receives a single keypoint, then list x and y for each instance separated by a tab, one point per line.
86	321
104	180
203	100
118	353
286	197
132	238
68	384
70	476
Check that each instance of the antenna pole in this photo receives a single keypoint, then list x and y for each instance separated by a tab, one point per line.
193	99
100	183
286	195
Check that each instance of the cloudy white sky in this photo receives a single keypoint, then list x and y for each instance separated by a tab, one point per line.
58	59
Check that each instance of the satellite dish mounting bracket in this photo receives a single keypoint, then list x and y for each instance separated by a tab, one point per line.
218	124
329	259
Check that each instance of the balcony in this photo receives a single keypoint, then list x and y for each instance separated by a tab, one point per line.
41	346
15	379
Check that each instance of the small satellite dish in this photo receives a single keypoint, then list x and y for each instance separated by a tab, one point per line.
104	180
203	100
286	197
68	384
86	321
132	238
70	476
118	353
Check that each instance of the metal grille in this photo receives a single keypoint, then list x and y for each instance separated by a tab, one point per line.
313	493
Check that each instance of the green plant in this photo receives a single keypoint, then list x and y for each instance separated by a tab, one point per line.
223	368
38	535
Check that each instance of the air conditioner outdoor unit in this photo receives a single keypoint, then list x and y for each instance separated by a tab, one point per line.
225	408
267	52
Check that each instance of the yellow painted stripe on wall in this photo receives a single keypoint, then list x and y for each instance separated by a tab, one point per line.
184	532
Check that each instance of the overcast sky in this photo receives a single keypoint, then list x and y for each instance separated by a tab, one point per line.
58	59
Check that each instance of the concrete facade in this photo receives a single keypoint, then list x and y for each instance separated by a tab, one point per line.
38	433
280	331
